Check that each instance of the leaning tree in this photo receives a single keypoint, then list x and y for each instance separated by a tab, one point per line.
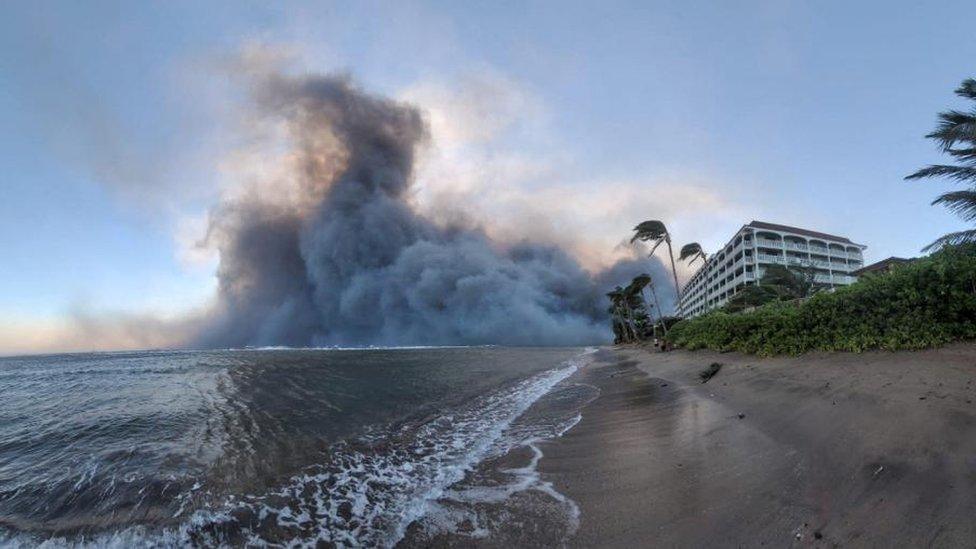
655	233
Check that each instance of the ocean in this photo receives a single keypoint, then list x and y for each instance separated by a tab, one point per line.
286	447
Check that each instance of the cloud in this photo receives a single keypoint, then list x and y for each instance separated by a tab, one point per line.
494	160
450	214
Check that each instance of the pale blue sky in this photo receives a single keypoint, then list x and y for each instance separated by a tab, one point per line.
809	112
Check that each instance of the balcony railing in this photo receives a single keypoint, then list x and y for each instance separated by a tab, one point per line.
835	279
769	243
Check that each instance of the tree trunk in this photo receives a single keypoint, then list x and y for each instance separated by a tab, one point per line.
626	329
657	304
630	323
649	315
619	330
674	271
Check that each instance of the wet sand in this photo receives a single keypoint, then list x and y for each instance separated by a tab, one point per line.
876	449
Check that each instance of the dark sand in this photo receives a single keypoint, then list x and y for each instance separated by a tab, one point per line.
876	449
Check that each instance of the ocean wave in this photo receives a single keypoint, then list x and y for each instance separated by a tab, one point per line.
367	491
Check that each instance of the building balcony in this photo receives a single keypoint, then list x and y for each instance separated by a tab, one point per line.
769	243
835	279
765	258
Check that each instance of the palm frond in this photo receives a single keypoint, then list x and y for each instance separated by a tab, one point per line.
959	173
649	230
641	281
657	243
962	203
691	250
968	155
967	89
952	239
953	127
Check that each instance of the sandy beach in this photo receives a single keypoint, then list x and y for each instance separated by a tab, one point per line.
873	449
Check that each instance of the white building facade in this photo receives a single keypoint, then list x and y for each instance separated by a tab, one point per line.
759	244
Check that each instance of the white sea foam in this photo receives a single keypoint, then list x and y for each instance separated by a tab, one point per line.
458	512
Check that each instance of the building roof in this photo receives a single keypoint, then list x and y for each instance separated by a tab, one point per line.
806	232
882	265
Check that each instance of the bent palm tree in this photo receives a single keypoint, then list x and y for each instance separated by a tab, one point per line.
655	231
621	314
691	252
637	304
644	281
956	128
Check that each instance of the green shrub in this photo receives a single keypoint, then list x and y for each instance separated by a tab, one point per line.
923	304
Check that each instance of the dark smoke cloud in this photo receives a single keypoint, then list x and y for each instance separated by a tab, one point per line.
349	262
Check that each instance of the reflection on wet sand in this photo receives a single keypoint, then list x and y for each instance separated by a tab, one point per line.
770	452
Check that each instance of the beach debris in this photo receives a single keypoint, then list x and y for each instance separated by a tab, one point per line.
878	470
709	373
817	535
741	416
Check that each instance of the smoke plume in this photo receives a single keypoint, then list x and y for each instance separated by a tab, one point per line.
335	254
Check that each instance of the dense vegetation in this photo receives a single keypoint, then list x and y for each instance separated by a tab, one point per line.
921	304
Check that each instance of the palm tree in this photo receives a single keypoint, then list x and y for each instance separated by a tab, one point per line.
638	304
956	128
691	252
644	281
620	314
619	330
655	231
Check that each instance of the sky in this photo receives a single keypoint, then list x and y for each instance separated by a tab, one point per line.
565	121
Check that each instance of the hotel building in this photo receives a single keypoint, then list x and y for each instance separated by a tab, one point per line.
757	245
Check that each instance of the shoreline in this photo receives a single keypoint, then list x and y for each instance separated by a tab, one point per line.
824	449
